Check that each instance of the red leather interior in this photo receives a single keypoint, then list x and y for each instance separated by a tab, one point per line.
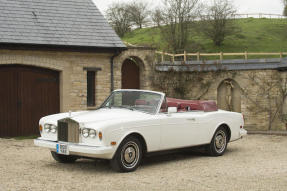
152	102
187	105
140	102
172	104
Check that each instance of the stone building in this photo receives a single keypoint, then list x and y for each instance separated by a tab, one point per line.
55	56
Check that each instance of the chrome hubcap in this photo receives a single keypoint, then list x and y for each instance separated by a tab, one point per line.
220	141
130	154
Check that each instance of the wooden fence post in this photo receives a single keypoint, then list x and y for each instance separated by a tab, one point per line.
281	55
221	56
173	58
184	58
198	56
246	55
162	57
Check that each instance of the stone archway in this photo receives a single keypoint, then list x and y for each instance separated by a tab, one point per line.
143	58
229	95
130	74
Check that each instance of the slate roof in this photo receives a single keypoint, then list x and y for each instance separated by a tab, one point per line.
55	22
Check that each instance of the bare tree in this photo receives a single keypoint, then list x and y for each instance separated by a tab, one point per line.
217	23
177	16
157	17
285	7
119	17
139	12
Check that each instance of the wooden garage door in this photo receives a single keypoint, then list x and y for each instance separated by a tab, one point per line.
26	95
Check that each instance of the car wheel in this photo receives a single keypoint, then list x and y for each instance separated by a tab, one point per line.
128	155
63	158
218	143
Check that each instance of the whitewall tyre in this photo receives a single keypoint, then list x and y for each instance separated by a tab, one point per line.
128	156
218	143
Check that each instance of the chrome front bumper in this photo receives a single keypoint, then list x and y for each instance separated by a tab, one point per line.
79	150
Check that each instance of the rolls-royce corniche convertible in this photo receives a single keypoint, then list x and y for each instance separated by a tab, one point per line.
133	123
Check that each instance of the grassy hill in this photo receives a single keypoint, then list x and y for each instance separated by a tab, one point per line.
256	35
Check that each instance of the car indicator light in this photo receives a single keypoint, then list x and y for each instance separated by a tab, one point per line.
40	128
100	135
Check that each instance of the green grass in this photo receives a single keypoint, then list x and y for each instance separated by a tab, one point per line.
256	35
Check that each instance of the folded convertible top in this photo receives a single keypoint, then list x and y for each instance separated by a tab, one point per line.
187	105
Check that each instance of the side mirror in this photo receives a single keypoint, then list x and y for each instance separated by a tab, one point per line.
171	110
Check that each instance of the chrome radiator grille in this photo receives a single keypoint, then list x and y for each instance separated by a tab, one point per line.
68	130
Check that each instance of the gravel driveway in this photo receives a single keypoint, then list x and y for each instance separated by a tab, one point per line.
257	162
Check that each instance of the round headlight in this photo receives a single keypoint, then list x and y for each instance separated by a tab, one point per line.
92	133
85	132
53	129
47	128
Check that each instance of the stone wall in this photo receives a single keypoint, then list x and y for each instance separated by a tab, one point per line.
251	97
247	94
73	78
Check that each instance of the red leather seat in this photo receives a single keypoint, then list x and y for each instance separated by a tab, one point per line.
183	107
186	105
140	102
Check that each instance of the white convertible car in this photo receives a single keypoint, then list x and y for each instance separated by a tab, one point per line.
132	123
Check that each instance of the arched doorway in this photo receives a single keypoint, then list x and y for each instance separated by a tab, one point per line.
229	96
130	74
26	94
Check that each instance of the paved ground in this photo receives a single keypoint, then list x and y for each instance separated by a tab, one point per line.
258	162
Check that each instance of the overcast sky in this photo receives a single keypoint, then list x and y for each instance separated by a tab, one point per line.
243	6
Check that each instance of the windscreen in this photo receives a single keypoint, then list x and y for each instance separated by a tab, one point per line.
134	100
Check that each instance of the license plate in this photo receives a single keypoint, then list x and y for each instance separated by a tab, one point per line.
62	149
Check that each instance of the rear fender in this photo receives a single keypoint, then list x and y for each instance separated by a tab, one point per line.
217	126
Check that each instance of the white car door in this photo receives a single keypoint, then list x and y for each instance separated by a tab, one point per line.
183	129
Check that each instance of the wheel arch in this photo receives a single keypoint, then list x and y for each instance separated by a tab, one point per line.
226	127
137	135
